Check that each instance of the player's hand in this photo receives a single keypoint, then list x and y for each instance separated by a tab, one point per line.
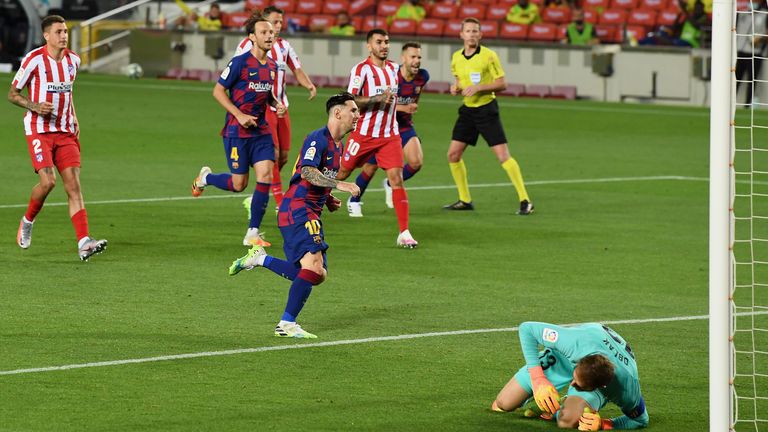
312	92
544	393
387	97
591	421
332	203
280	109
469	91
455	89
348	187
43	108
247	121
411	108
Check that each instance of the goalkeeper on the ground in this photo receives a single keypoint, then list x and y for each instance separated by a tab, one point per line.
592	361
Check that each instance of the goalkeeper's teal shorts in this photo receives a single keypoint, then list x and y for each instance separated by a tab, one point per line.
559	372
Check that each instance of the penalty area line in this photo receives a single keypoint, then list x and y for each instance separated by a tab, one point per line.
332	344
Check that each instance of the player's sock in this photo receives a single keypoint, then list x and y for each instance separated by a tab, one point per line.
280	267
80	222
513	171
258	204
459	173
408	172
33	209
400	200
222	181
277	185
299	293
362	182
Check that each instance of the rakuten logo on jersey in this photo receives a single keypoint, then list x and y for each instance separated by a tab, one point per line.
58	87
330	173
405	100
260	86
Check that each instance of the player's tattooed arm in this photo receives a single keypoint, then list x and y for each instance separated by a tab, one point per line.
18	99
314	176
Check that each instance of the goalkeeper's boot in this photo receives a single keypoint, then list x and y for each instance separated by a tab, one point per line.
526	208
459	205
355	208
24	236
90	248
406	240
198	185
388	194
254	237
247	262
288	329
247	205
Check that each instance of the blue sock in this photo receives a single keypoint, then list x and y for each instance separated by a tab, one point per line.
297	296
281	267
362	182
259	204
222	181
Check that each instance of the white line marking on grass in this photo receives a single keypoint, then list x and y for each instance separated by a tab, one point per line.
331	344
435	187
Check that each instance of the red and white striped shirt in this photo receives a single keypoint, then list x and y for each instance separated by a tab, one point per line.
284	55
47	80
370	80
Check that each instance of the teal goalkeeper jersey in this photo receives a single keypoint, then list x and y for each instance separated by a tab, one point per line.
577	342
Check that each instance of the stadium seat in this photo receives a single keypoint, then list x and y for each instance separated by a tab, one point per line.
309	7
537	90
470	10
637	32
287	5
174	73
656	5
443	10
608	33
320	80
516	90
359	8
452	28
387	8
430	27
598	5
624	4
556	15
590	16
563	92
372	22
642	17
513	31
338	82
438	87
255	4
333	7
321	21
300	20
496	12
667	17
490	29
613	17
402	27
545	32
235	20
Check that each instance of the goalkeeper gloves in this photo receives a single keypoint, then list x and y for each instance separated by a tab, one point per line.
544	393
591	421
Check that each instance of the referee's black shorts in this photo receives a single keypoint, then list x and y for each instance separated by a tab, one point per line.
483	120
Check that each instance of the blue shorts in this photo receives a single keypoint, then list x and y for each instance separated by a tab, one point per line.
559	371
242	153
303	237
405	136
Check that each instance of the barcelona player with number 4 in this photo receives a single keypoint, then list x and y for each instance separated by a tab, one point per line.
250	79
299	217
592	361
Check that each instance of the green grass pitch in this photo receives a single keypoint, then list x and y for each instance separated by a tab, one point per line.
619	234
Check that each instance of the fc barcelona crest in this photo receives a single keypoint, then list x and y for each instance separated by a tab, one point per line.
417	90
272	75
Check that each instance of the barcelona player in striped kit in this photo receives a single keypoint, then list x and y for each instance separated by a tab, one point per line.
52	130
250	80
299	216
411	82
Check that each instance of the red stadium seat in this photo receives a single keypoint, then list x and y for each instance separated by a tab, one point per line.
402	27
300	20
537	90
235	20
490	29
608	33
563	92
357	23
470	10
387	8
443	10
556	15
624	4
543	32
642	17
309	7
656	5
562	32
358	8
452	28
516	90
613	17
290	79
668	17
256	4
637	32
497	12
438	87
513	31
598	5
320	80
591	16
321	21
338	82
287	5
430	27
372	22
333	7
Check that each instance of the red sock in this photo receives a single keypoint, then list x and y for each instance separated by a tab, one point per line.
277	186
400	200
33	209
80	222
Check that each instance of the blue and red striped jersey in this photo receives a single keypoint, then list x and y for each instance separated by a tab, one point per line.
251	89
304	201
408	92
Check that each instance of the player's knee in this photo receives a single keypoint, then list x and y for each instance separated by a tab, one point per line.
566	421
454	156
238	184
416	165
396	182
47	183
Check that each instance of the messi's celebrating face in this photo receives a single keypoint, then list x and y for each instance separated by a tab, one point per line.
378	46
412	60
263	35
